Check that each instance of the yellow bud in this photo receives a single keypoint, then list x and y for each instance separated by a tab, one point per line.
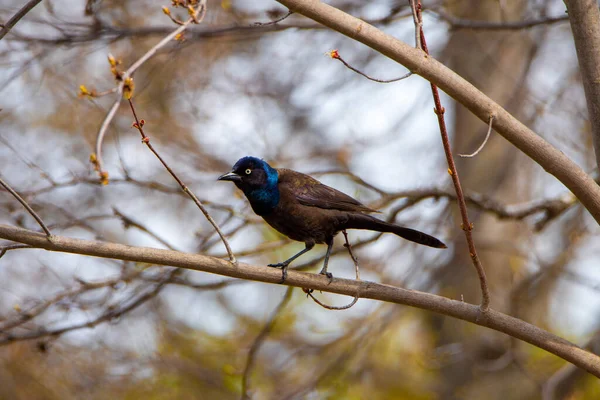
179	36
166	10
128	87
83	91
450	172
17	308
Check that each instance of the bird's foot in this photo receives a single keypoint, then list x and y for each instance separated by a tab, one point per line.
329	275
283	266
279	265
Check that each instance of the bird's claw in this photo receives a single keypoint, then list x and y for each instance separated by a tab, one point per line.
278	265
329	275
283	266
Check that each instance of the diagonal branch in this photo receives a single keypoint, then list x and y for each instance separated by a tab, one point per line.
17	17
539	150
369	290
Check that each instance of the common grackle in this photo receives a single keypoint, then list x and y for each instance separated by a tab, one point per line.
306	210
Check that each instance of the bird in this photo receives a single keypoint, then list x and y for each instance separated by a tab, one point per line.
306	210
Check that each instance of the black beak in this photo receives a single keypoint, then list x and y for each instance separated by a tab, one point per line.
230	176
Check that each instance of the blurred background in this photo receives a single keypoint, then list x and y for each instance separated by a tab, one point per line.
74	327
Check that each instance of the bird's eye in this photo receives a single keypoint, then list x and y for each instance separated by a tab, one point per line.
248	171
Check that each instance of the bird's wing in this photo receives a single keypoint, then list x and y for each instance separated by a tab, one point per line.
310	192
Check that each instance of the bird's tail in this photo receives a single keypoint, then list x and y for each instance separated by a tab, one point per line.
363	221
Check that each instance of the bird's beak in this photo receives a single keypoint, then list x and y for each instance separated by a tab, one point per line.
230	176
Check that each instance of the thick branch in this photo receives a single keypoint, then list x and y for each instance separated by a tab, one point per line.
585	24
364	289
534	146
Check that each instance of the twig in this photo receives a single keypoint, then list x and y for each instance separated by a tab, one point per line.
487	136
17	17
459	23
128	222
259	341
467	226
197	17
146	140
418	24
27	207
309	292
5	249
290	12
336	56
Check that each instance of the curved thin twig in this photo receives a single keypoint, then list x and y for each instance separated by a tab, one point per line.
487	136
27	207
309	292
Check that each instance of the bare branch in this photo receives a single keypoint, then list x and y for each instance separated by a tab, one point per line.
27	207
459	23
275	21
146	140
467	226
198	15
17	17
370	290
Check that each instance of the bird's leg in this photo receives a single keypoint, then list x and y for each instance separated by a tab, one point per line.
283	265
324	269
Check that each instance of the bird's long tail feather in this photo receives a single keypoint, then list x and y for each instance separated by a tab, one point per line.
363	221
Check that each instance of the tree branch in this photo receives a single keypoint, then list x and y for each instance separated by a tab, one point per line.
550	158
370	290
17	17
584	16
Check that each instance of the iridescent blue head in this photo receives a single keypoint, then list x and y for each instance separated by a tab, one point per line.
258	181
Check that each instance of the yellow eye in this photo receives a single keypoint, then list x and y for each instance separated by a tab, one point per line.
248	171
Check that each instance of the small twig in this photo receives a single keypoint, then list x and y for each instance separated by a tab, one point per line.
259	341
17	17
290	12
459	23
349	247
5	249
467	226
27	207
197	17
146	140
336	56
418	24
356	267
128	222
487	136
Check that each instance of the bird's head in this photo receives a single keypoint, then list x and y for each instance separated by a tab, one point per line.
252	174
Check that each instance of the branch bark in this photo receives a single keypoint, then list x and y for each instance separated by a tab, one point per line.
584	16
534	146
364	289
